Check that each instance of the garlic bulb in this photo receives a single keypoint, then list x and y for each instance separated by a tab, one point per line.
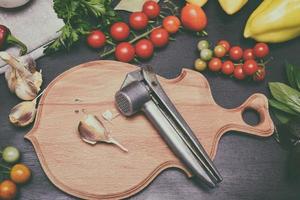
23	113
92	130
22	77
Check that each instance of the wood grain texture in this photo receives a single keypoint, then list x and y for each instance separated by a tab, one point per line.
103	171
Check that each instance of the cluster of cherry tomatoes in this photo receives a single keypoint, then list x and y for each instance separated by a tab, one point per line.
192	17
138	21
223	56
17	174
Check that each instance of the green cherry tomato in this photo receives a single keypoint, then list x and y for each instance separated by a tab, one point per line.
11	154
200	65
206	54
203	44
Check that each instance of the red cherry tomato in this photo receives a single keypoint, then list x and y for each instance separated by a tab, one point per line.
261	50
238	72
151	9
138	20
225	44
96	39
227	67
171	24
215	64
124	52
144	48
193	17
119	31
236	53
260	74
8	190
248	54
159	37
250	67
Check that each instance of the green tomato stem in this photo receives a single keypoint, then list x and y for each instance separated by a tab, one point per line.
267	61
172	4
1	165
110	42
162	16
204	32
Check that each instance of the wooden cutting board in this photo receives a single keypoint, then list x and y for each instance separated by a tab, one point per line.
104	171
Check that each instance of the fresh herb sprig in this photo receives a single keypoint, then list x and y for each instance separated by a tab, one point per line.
80	17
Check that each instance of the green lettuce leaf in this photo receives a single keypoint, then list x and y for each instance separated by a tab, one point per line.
290	75
286	95
281	106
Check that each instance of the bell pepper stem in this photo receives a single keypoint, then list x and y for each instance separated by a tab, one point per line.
13	40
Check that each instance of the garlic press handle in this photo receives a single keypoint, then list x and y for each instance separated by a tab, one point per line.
167	132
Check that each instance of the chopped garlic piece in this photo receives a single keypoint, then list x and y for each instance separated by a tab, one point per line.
109	115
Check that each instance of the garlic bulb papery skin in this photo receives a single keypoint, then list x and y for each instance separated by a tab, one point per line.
11	78
23	113
22	77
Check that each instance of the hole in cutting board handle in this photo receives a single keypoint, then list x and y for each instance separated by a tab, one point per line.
251	117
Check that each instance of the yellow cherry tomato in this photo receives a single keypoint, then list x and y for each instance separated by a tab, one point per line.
200	65
20	173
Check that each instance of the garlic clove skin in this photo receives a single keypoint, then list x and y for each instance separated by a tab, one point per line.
28	88
22	77
23	113
91	129
11	78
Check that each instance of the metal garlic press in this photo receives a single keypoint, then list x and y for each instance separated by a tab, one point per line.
141	91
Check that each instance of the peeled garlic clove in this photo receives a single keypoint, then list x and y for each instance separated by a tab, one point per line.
92	130
23	113
22	77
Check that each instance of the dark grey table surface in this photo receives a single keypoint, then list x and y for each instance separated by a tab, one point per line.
253	168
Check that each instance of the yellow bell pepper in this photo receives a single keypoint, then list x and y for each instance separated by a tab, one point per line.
232	6
197	2
274	21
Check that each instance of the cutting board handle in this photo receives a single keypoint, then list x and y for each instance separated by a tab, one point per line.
258	103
